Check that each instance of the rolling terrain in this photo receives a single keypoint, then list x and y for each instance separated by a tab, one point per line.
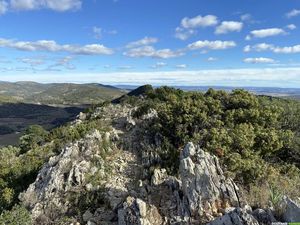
27	103
57	93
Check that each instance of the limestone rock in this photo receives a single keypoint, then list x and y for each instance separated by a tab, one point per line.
137	212
159	176
65	172
204	185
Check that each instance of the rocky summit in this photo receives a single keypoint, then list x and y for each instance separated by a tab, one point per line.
107	177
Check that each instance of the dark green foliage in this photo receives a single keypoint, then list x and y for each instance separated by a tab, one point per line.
249	132
33	137
134	95
17	216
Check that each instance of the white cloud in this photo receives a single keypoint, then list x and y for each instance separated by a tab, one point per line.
199	21
276	49
184	34
247	48
181	66
64	62
26	5
3	7
57	5
246	17
97	31
293	13
149	51
159	65
141	42
52	46
188	25
229	26
211	59
32	61
265	33
212	45
291	26
259	60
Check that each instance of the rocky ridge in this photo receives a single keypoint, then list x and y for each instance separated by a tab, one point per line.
130	194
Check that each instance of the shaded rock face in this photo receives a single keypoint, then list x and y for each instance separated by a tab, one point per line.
264	216
207	190
235	217
290	210
61	174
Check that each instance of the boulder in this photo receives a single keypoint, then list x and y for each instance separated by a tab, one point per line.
237	216
264	216
290	210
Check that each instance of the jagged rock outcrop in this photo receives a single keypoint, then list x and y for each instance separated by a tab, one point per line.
204	185
60	175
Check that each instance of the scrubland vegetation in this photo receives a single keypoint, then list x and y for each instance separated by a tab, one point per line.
257	139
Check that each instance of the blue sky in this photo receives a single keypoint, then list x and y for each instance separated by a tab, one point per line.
172	42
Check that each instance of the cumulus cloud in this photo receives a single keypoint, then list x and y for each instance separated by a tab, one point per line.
52	46
276	49
291	26
229	26
293	13
141	42
211	45
265	33
259	60
188	25
57	5
199	21
184	34
3	7
150	51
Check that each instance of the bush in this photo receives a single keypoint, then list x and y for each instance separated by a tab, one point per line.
17	216
249	133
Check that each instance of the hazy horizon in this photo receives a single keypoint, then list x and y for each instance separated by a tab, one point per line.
120	42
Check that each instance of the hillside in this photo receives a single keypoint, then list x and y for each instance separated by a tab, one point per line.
159	156
58	93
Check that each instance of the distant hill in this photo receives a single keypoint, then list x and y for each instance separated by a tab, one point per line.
57	93
293	93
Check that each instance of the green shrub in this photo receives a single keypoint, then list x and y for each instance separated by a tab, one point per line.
17	216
